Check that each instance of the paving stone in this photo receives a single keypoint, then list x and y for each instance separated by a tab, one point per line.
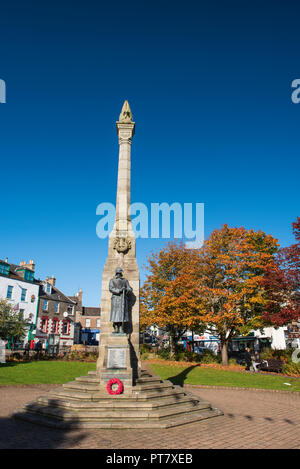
274	423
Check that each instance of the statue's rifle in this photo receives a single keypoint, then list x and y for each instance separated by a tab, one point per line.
123	307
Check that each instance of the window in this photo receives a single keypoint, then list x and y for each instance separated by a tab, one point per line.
4	269
23	294
56	306
65	327
87	323
45	305
28	275
21	314
9	292
70	309
98	322
48	288
44	324
55	323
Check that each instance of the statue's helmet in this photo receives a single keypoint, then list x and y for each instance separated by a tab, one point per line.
119	270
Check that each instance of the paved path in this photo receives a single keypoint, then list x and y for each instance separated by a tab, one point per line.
252	419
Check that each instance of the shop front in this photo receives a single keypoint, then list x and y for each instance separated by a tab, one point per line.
90	336
238	345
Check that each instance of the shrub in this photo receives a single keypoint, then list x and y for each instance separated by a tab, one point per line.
291	369
232	361
17	356
187	356
82	356
278	354
144	348
164	353
209	357
144	356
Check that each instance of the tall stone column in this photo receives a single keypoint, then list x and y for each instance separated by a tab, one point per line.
121	253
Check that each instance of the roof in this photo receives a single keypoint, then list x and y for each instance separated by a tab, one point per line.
56	295
13	274
91	311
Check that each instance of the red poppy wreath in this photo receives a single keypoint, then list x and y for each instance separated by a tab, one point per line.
110	384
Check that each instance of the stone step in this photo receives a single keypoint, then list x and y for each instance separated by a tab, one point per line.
81	386
182	419
158	393
119	404
148	379
153	386
87	379
71	394
143	372
118	415
78	391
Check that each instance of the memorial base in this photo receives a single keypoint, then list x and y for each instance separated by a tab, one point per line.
152	403
116	363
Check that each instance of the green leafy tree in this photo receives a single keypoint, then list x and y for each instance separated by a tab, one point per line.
11	325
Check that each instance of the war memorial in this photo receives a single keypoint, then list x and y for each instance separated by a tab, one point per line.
119	394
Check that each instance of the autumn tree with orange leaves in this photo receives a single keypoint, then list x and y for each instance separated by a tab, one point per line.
218	286
229	268
168	295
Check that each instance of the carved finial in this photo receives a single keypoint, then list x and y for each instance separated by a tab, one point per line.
126	114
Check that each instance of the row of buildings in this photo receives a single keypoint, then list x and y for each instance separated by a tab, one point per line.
54	318
59	320
287	337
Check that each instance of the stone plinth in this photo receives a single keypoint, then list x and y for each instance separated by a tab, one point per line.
152	403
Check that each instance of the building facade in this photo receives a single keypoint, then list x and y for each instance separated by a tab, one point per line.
21	290
56	317
88	321
292	335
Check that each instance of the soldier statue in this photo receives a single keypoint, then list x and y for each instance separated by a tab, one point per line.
120	289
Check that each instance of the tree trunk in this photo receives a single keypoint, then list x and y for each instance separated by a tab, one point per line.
172	346
224	352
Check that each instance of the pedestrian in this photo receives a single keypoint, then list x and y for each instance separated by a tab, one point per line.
248	359
38	348
256	361
27	348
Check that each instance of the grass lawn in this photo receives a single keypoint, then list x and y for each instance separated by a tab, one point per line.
43	372
219	377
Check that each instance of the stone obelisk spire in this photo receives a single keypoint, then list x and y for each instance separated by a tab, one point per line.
121	253
122	239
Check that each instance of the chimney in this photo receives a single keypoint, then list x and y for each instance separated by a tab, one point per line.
79	295
30	266
51	280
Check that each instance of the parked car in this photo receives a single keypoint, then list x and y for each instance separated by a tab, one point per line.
200	350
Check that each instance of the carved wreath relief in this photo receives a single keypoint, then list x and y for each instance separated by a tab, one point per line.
122	245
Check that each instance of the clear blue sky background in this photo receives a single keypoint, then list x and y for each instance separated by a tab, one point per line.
209	84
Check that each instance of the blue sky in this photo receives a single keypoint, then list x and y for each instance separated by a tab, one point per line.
209	85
